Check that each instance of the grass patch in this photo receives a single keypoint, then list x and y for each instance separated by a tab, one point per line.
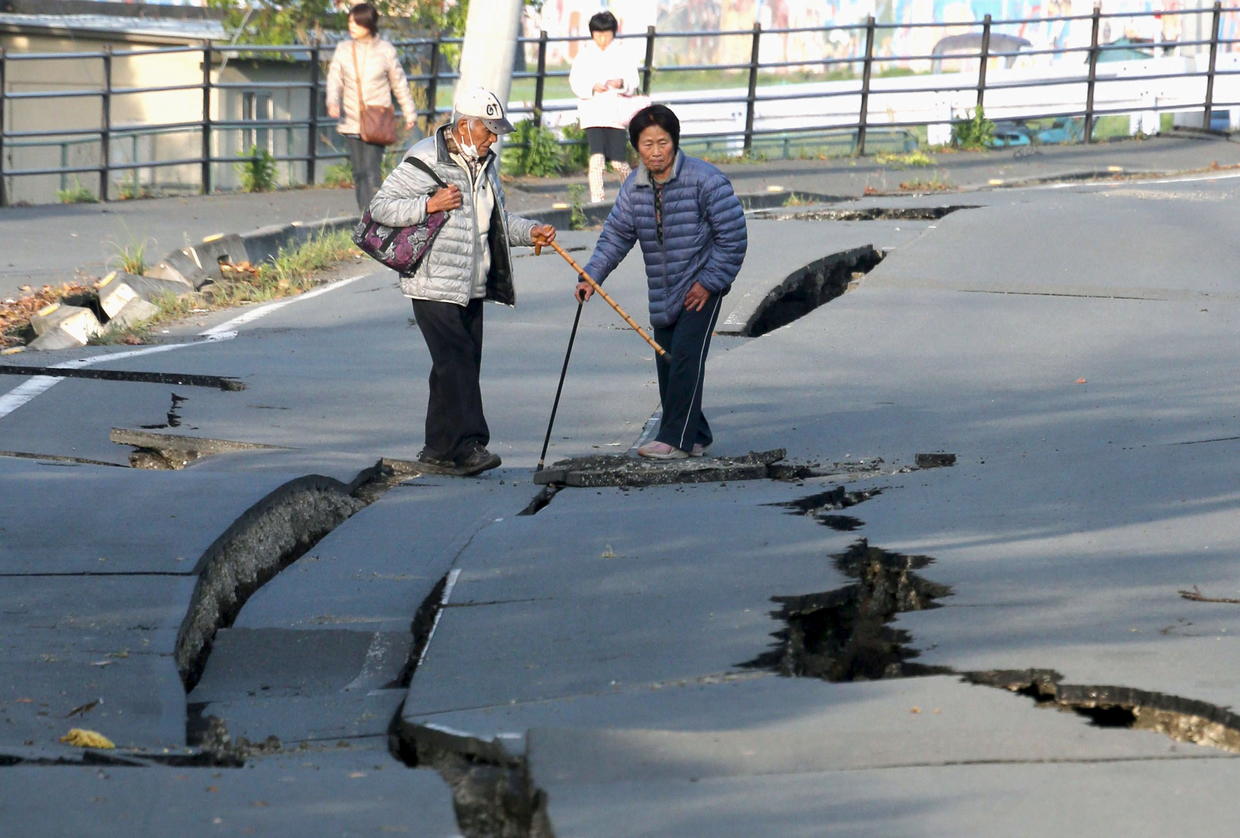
939	183
291	272
256	170
131	258
577	215
908	160
76	194
339	175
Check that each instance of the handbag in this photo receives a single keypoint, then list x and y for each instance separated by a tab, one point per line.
376	123
401	248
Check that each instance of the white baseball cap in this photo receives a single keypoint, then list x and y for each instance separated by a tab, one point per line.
482	104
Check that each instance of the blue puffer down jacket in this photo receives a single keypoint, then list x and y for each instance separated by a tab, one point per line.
704	237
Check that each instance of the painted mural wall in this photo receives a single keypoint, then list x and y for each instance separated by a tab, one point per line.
1041	24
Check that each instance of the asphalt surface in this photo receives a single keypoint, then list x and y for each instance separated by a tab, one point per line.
432	662
51	244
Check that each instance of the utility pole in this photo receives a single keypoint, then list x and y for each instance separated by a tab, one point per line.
491	31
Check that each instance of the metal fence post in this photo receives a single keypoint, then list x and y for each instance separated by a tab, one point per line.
105	125
432	85
206	118
866	71
541	80
983	59
1093	75
751	97
312	136
648	62
1208	116
4	193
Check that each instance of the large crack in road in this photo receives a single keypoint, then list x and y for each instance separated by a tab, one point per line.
846	634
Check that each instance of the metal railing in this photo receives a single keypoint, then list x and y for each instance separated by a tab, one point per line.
856	82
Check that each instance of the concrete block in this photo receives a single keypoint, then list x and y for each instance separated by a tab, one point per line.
136	311
76	322
182	266
55	339
119	288
306	230
265	242
224	247
200	263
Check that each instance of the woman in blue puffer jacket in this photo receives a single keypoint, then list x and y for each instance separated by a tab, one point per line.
692	232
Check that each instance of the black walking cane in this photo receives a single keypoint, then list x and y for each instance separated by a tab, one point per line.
556	404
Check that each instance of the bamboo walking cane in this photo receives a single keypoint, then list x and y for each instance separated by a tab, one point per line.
624	315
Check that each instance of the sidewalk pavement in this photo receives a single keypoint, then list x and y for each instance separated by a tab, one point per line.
56	243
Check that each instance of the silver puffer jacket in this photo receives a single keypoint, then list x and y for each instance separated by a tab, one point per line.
446	273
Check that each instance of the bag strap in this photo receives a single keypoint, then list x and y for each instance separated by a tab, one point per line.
357	82
421	165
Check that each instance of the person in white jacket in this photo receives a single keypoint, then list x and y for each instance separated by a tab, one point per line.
604	79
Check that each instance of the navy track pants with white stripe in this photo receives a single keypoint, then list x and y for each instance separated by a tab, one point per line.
681	375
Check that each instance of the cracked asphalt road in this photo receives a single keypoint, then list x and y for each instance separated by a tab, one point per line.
1067	345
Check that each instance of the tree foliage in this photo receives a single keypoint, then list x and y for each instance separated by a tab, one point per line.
275	22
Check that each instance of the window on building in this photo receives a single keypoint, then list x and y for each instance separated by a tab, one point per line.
256	107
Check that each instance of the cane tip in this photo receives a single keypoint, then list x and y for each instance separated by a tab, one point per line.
538	250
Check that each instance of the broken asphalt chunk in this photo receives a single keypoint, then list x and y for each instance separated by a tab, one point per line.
622	470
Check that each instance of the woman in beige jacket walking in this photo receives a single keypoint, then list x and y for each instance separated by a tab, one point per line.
373	60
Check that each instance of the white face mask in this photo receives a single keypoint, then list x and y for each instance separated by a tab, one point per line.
468	149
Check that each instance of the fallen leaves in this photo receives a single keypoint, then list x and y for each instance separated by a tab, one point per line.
15	314
82	738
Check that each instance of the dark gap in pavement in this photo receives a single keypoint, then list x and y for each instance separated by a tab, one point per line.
845	634
422	627
268	537
210	735
823	506
173	418
541	500
161	451
867	214
59	459
816	284
1178	718
181	379
493	793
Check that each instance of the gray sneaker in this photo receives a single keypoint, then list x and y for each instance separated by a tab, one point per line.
436	465
477	461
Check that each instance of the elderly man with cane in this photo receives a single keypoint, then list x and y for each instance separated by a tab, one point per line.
693	239
455	171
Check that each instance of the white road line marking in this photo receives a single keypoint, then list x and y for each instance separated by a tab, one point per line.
34	387
263	310
1135	182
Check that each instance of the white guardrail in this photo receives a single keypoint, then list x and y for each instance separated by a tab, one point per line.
935	100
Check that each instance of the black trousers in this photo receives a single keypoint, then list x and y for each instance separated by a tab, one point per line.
454	418
681	373
366	160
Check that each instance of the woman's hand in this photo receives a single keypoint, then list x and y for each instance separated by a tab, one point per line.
696	297
333	111
410	121
584	291
543	235
448	198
